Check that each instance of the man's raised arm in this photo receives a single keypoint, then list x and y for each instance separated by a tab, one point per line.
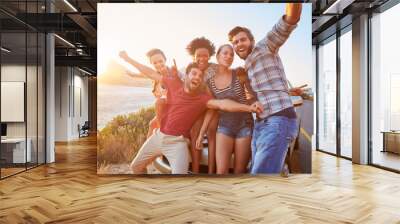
147	71
282	30
293	13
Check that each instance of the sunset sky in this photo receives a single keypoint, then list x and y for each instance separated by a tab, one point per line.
137	28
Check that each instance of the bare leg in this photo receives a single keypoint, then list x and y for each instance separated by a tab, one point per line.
196	154
242	154
211	136
224	153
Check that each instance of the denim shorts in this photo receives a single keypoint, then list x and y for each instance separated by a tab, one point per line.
245	131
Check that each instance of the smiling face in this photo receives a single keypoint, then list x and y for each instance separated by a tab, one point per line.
225	56
194	79
201	57
242	44
158	62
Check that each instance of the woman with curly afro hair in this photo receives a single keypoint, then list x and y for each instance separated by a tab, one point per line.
202	49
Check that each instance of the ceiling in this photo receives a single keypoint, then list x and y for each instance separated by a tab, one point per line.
75	23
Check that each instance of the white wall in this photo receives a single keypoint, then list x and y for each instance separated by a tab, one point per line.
16	73
80	109
71	94
62	81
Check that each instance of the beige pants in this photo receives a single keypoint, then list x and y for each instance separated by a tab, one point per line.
175	148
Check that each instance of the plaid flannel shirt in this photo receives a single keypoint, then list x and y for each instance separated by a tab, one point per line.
266	73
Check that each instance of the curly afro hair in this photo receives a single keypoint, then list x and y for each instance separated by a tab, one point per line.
200	42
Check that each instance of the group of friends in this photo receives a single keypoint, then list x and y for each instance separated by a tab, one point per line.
217	101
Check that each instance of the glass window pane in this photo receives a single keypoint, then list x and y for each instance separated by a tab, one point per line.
327	97
22	86
13	86
41	98
31	97
346	94
385	85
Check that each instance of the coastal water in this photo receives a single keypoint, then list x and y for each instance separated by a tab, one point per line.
113	100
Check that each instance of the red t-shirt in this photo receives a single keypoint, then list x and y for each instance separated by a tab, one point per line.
183	109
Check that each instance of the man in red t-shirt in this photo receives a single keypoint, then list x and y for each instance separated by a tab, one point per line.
187	101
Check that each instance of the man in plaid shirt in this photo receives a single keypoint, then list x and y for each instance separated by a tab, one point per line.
277	125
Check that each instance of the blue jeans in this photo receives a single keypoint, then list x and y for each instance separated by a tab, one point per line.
271	139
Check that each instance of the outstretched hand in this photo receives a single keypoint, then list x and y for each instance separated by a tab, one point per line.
297	91
174	69
123	55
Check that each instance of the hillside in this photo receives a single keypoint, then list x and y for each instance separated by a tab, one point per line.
116	74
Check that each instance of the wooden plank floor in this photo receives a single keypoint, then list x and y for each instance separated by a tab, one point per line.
70	191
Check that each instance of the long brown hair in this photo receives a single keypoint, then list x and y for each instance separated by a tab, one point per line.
222	46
